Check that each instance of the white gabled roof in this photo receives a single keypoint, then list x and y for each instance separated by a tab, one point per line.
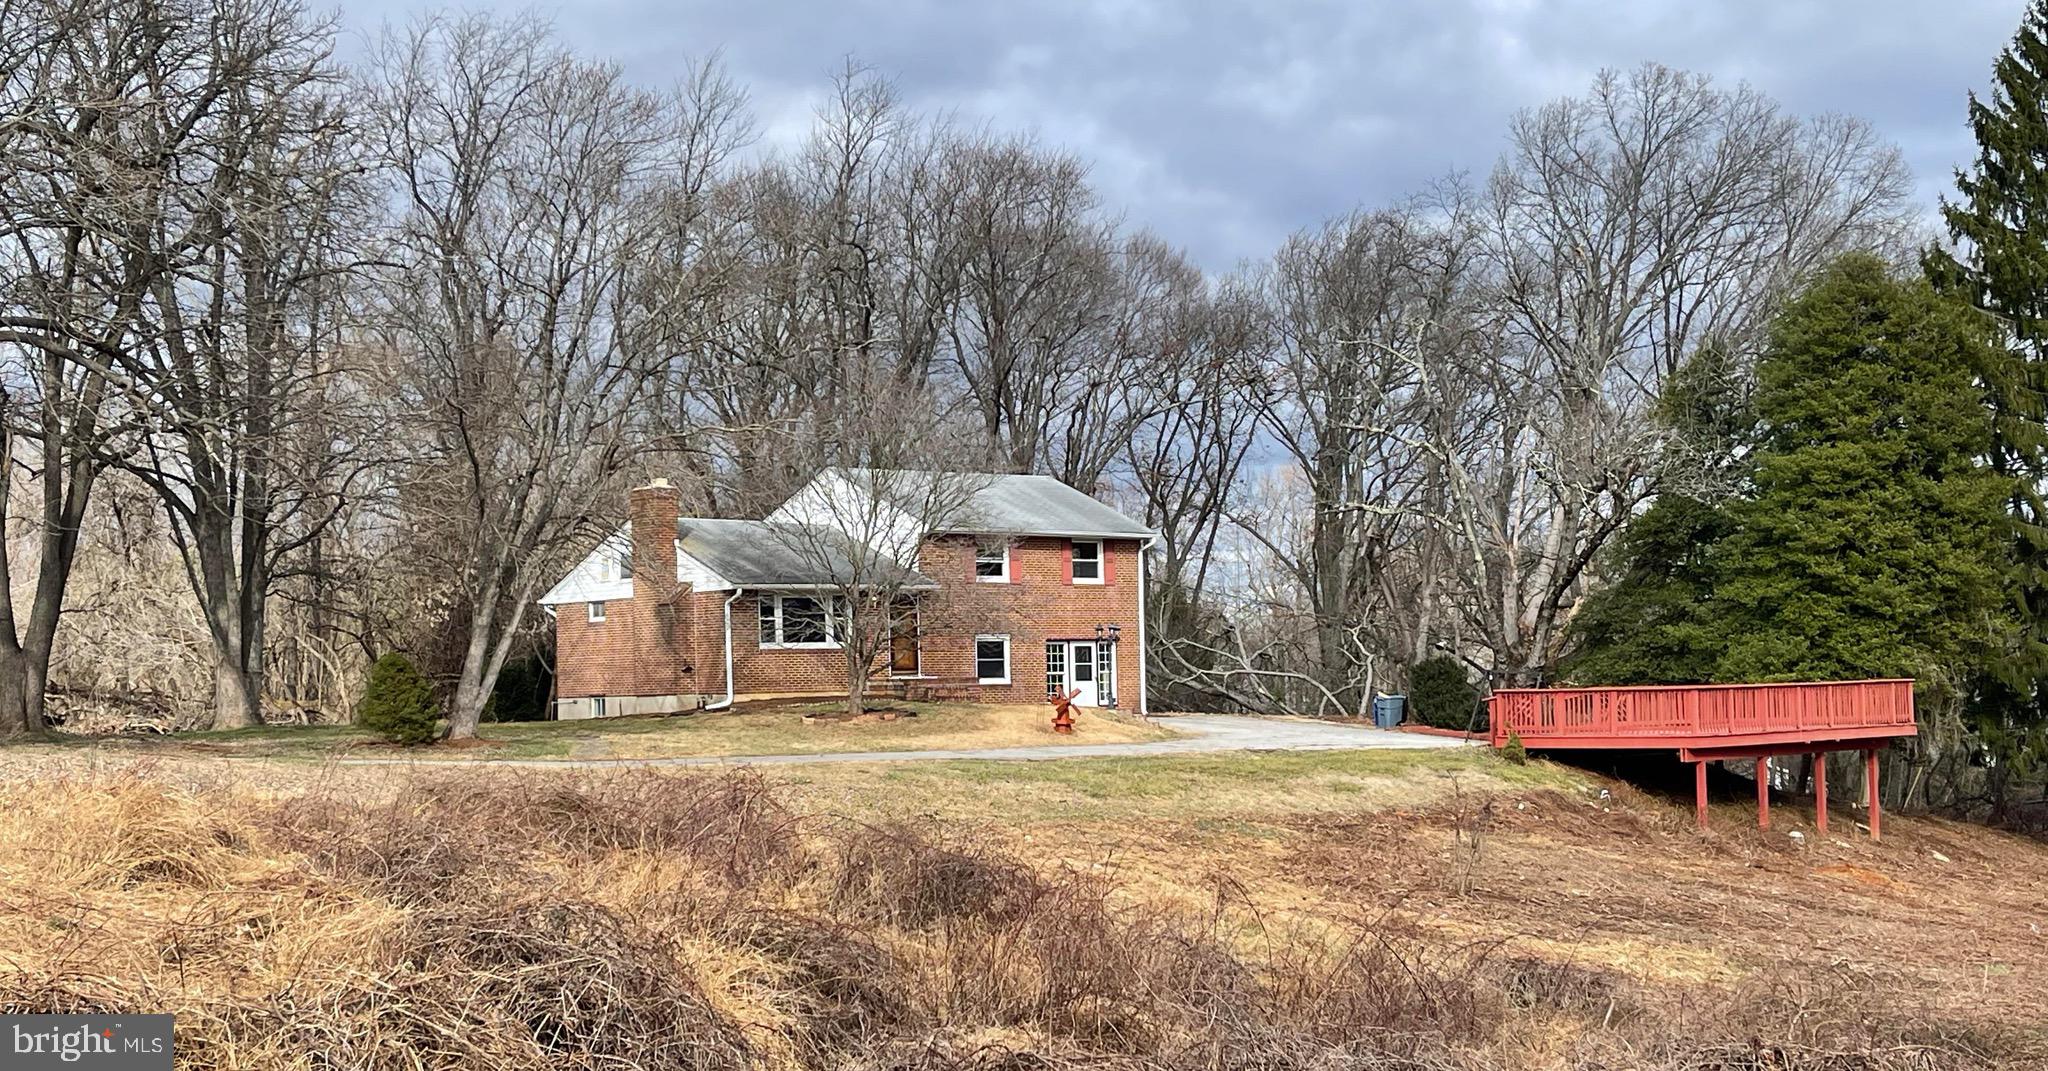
1014	504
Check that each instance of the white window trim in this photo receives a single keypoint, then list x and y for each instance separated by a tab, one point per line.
597	706
831	642
1099	555
978	641
595	610
1000	578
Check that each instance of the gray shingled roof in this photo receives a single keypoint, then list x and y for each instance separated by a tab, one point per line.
1040	505
762	554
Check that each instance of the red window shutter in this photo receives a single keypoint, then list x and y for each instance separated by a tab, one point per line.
1108	563
1010	562
1067	559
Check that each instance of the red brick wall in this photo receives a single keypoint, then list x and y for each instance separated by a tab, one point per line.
649	646
644	646
775	670
1039	604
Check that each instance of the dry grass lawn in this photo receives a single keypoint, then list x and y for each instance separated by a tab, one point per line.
773	727
1415	910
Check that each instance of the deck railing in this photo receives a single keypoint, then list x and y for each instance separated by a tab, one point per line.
1611	717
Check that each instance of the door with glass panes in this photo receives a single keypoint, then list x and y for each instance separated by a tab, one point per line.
1076	666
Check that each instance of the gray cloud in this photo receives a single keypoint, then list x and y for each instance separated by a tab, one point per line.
1223	126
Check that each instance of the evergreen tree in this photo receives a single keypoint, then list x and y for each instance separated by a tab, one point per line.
1656	622
398	703
1873	543
1999	264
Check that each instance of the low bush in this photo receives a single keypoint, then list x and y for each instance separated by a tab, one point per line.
398	704
1440	695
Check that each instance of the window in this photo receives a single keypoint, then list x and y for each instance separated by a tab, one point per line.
624	563
803	620
1087	561
597	706
597	611
1055	669
800	621
992	659
992	560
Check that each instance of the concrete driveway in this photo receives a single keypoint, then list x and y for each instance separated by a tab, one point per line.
1206	733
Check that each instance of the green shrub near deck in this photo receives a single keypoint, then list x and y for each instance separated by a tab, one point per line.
398	704
1440	694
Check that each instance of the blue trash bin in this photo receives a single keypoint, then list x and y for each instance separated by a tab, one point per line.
1387	710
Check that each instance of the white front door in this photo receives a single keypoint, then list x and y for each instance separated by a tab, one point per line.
1081	674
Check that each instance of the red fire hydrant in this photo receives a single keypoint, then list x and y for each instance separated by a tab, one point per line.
1062	710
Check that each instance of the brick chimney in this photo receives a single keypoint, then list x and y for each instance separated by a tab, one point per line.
653	511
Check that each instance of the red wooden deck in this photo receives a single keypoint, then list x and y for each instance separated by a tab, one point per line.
1717	721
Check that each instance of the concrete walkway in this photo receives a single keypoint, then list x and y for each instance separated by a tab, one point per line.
1206	733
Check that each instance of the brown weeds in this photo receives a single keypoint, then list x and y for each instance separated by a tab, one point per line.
647	921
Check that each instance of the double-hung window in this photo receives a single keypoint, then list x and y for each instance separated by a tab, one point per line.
992	560
623	563
992	659
1087	561
801	621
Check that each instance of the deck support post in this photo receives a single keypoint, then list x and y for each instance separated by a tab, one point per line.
1820	793
1699	793
1763	792
1870	783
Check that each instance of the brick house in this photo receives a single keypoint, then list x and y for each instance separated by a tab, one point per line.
1029	587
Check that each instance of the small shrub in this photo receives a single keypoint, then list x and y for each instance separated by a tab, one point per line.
398	704
1441	695
1513	751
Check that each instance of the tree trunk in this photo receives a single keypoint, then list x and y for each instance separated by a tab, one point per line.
856	688
481	662
235	694
467	710
16	717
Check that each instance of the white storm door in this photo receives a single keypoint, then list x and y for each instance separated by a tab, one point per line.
1081	674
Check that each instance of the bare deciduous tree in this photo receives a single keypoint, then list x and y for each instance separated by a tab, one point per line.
246	469
115	121
534	188
1625	230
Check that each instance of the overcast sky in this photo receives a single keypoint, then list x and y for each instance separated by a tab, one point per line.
1224	126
